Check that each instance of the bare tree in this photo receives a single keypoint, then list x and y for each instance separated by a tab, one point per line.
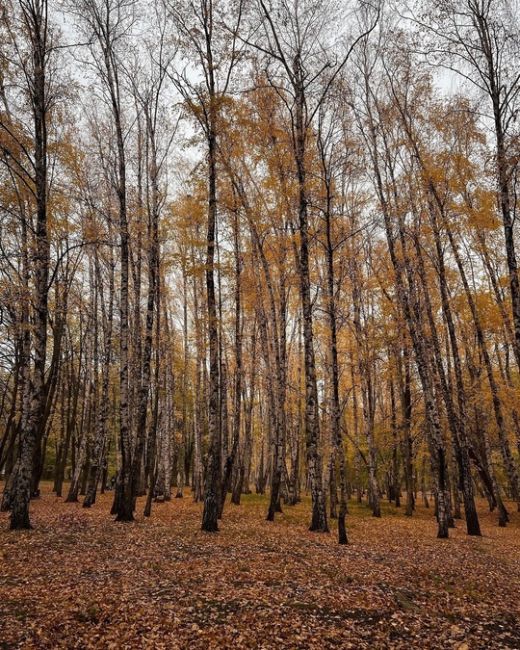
302	72
34	32
203	35
106	23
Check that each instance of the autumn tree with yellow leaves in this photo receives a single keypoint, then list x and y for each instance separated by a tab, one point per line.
243	251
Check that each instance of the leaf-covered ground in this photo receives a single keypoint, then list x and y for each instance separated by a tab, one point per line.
80	580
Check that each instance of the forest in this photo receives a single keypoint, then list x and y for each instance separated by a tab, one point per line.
259	278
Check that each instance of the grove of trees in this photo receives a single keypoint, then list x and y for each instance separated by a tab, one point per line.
261	245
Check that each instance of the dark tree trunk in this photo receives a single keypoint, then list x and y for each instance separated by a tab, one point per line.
212	483
35	20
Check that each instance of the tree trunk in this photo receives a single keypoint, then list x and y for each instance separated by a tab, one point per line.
35	21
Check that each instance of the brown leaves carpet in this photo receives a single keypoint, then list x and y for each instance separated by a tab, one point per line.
80	580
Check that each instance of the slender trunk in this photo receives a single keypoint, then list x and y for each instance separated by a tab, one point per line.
338	455
153	273
237	407
35	19
212	483
312	423
103	411
406	425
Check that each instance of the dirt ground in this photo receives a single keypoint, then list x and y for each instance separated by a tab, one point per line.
80	580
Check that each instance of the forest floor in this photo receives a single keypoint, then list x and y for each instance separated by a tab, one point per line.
80	580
